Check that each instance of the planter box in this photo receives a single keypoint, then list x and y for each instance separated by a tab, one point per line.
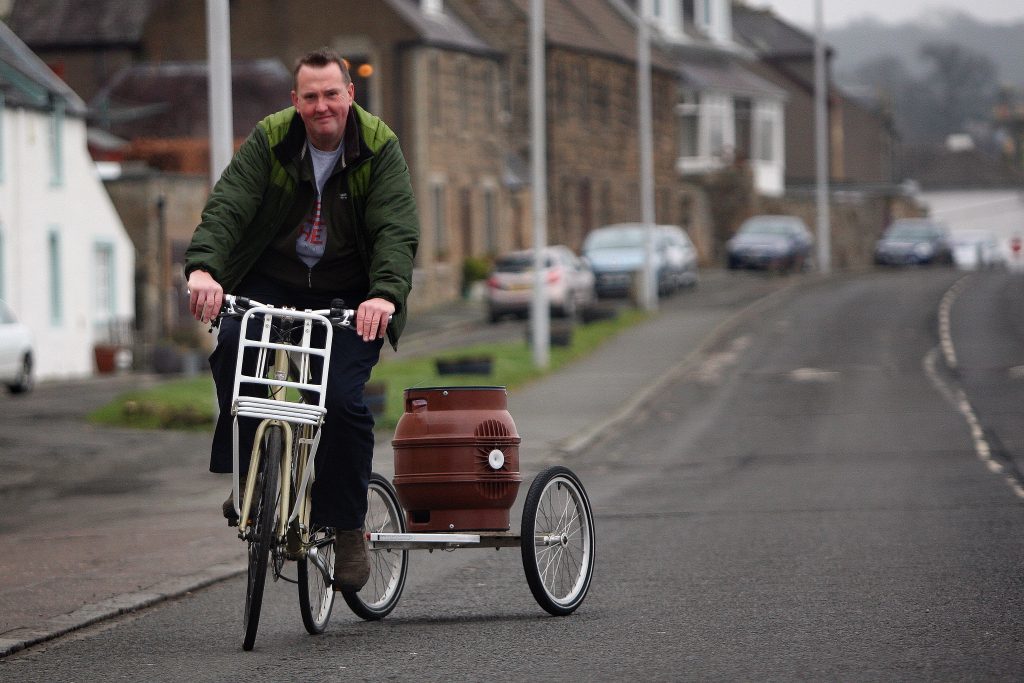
468	365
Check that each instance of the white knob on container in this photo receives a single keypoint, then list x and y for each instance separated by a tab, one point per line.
495	459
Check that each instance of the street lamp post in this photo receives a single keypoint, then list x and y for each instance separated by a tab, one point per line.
540	324
649	288
821	143
218	48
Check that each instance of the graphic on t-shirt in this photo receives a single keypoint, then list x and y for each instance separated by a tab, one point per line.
312	237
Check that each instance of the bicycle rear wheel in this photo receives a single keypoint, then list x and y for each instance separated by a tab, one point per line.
316	597
261	536
388	567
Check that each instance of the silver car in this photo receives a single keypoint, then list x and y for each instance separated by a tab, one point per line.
15	352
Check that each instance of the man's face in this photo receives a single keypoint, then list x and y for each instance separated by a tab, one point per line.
322	99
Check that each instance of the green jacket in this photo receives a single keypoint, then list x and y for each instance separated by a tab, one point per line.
248	205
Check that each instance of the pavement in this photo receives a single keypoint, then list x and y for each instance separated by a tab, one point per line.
558	418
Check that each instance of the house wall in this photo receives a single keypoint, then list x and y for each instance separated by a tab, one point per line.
62	307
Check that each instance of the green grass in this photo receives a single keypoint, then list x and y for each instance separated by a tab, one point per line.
188	403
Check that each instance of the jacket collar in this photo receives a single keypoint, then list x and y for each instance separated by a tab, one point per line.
292	149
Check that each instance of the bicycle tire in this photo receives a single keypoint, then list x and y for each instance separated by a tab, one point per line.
388	568
557	540
316	596
264	516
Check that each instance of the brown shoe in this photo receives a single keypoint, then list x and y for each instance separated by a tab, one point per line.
228	508
351	560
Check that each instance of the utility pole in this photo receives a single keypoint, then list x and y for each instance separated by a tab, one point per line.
540	312
649	289
218	48
821	137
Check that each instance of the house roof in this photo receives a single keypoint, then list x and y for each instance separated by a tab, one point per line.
25	79
170	99
593	26
767	34
67	23
726	74
443	29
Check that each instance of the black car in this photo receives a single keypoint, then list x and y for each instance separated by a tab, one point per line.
771	243
914	241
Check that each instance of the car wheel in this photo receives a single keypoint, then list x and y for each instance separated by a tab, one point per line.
23	382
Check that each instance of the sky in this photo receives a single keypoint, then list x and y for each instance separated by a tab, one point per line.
840	12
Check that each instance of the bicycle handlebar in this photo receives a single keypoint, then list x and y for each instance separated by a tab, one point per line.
337	314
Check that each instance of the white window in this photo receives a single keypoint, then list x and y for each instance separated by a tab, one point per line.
56	283
764	136
1	137
105	291
689	125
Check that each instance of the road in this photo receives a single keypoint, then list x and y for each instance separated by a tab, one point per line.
807	500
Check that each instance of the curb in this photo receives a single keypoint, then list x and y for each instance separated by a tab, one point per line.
20	639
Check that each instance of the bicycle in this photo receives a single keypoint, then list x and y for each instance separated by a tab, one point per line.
274	511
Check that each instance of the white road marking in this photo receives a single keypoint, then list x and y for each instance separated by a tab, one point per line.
956	396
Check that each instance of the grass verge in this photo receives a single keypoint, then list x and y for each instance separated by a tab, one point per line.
188	403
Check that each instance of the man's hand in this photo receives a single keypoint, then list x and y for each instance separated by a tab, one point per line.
372	318
205	296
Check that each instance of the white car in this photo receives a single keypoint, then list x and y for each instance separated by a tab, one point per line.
569	280
15	353
975	249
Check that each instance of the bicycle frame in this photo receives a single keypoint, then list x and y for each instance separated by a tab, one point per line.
278	410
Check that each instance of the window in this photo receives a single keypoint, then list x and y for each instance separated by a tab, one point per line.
56	293
744	131
440	224
57	143
1	137
3	262
434	67
689	125
490	221
765	137
105	292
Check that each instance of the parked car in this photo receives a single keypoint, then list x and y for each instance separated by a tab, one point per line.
15	353
770	242
569	279
976	249
617	253
913	241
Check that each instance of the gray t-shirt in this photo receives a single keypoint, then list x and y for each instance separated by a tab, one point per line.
312	238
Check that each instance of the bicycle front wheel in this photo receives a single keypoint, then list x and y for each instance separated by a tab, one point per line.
316	597
261	535
558	540
388	567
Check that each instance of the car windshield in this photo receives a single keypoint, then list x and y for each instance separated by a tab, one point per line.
616	239
766	228
519	263
910	231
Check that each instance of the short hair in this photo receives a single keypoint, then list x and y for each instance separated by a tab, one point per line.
319	59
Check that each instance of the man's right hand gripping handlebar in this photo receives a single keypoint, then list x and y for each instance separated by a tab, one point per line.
205	296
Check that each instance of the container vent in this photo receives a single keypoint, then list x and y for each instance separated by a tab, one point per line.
491	429
493	490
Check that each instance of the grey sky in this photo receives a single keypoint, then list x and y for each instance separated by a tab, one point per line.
839	12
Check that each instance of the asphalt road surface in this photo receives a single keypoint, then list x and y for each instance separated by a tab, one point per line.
822	496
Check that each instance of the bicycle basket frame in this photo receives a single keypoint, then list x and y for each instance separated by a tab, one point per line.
277	407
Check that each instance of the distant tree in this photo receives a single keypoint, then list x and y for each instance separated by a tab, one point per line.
958	87
962	85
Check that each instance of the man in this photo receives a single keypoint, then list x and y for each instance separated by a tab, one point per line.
316	204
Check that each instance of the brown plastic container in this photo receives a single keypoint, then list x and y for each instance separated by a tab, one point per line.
456	459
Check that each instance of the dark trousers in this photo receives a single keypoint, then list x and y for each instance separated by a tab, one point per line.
345	454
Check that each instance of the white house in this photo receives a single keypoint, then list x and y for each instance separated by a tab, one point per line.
66	262
728	112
